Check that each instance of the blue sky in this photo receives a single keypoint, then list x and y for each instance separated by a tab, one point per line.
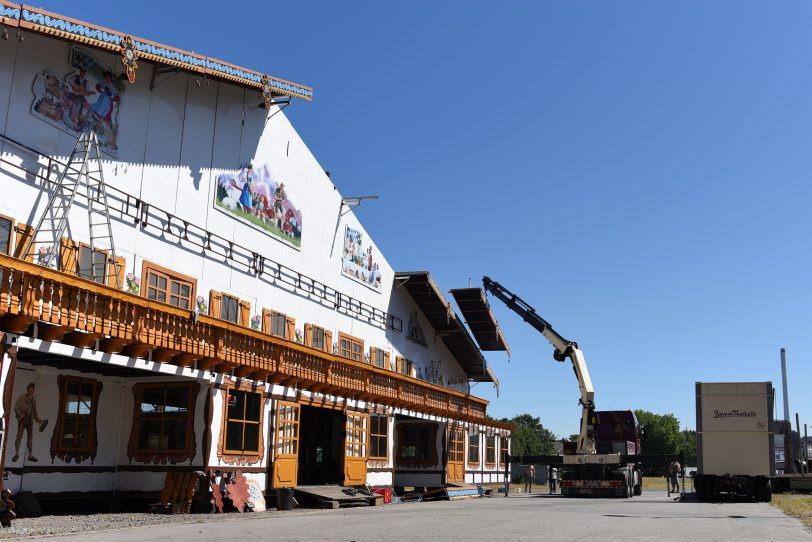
637	171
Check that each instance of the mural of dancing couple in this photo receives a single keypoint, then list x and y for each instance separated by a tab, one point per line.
253	195
88	98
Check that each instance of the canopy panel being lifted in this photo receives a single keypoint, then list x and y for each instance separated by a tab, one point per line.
477	312
446	324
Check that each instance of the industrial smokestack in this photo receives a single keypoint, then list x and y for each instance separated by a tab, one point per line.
784	381
789	451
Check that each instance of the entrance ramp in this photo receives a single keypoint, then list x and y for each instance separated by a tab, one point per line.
334	496
458	492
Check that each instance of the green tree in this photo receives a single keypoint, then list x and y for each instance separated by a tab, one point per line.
574	437
688	446
662	433
529	437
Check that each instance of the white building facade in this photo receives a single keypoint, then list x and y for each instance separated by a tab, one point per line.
243	320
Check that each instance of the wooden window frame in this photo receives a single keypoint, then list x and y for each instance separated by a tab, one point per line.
402	363
432	444
241	457
146	267
106	252
162	456
276	315
328	337
490	448
226	299
64	453
11	234
381	436
473	445
373	358
354	341
503	449
22	233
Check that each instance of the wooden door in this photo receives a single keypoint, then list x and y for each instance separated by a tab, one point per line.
286	457
455	468
355	449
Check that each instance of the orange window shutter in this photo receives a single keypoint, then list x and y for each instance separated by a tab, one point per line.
266	321
24	233
328	341
386	359
245	313
308	338
291	329
215	303
372	355
67	256
399	364
111	272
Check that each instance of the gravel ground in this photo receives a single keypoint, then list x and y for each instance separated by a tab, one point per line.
64	525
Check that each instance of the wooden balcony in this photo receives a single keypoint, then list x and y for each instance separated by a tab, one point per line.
80	312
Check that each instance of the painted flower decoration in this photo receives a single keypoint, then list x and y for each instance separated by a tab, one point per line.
133	283
255	321
202	308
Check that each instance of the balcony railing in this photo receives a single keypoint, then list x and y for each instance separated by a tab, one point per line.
80	312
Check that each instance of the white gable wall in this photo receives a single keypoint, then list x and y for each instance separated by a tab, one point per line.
173	142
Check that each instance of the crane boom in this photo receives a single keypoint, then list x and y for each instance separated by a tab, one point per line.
563	349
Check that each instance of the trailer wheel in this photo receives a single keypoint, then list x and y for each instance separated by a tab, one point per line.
764	491
638	483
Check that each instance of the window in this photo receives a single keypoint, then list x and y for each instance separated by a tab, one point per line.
456	445
416	444
317	337
473	446
490	449
92	264
379	357
503	450
163	418
75	436
378	441
350	347
6	227
168	287
279	325
230	309
404	366
243	422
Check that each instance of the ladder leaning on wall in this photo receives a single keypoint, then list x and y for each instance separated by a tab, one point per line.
83	167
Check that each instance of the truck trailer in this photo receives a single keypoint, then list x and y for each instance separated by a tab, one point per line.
734	440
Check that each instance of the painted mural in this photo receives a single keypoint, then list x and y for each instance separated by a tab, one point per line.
257	197
415	333
88	98
357	261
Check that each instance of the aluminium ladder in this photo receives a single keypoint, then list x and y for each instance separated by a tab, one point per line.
83	167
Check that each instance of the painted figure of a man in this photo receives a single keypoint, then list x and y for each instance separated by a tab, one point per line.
25	410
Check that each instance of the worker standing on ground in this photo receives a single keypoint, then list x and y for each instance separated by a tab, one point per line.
552	479
529	476
673	473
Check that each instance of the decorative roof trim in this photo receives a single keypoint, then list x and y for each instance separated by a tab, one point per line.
60	26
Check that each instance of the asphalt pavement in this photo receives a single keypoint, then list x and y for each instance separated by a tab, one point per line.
652	516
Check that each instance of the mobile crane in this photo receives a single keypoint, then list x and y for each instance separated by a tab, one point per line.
605	456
